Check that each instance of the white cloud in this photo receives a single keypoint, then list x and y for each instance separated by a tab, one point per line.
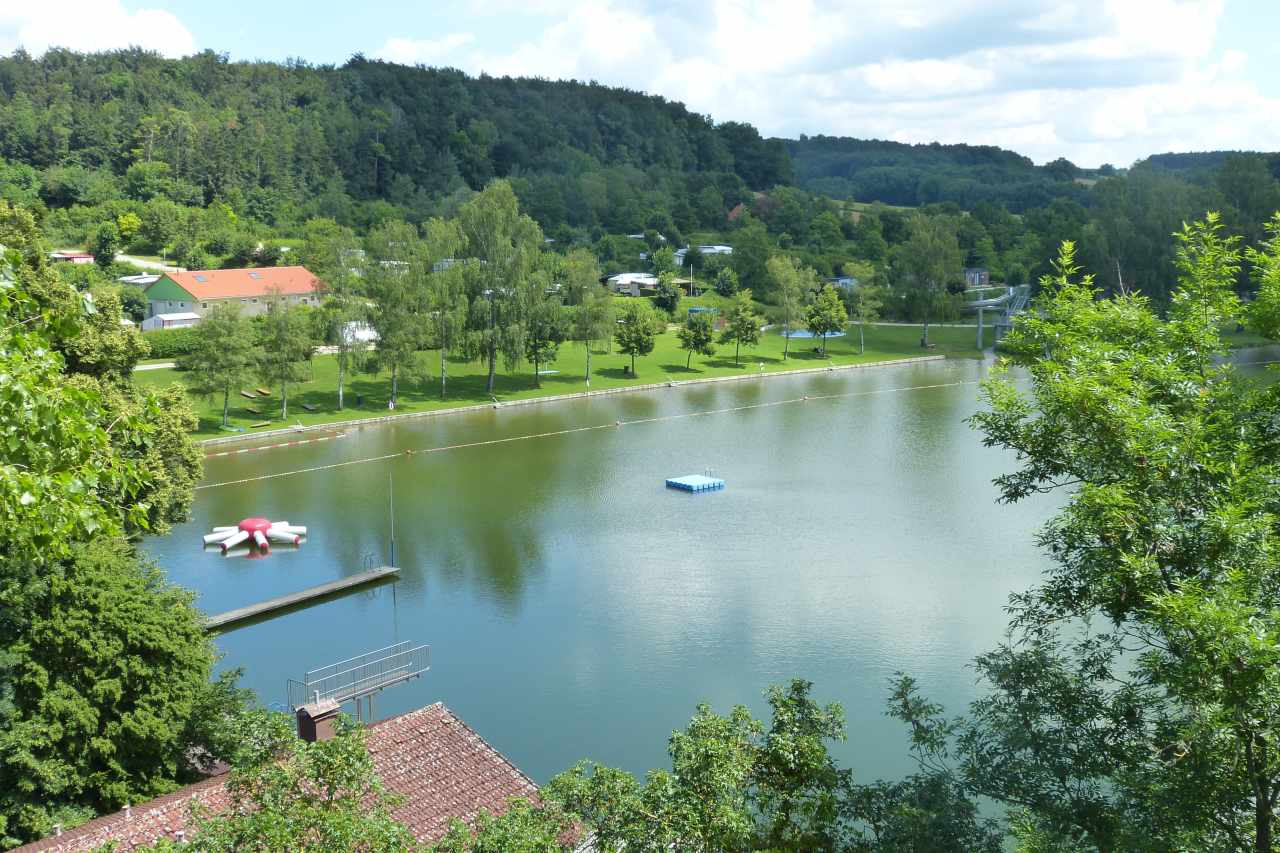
1092	80
424	51
90	25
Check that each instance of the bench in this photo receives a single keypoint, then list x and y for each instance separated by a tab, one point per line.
260	424
247	394
263	392
251	410
309	407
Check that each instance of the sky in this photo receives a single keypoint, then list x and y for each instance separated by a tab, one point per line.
1095	81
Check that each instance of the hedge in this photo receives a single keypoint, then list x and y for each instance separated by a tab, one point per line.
171	343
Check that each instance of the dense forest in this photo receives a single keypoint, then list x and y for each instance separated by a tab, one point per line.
897	173
288	142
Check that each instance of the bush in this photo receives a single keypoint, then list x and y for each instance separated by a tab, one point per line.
171	343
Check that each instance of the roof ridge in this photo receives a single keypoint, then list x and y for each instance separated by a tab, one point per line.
490	747
372	726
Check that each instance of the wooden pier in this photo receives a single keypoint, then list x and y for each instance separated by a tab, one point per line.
302	597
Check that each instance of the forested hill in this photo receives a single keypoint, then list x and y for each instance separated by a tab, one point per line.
1202	164
898	173
275	137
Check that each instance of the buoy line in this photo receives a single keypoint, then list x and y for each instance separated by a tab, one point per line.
274	446
570	431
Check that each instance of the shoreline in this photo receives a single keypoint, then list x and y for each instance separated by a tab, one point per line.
360	423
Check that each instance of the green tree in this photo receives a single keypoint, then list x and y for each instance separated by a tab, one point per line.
751	250
106	243
667	297
593	320
133	302
737	784
102	347
742	325
288	794
579	275
396	284
110	663
1130	706
284	346
791	283
663	260
726	282
128	224
224	355
697	336
522	828
929	259
447	316
103	667
333	253
827	314
1264	310
506	244
867	301
545	324
636	331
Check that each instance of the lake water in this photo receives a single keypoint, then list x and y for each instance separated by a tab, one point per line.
577	608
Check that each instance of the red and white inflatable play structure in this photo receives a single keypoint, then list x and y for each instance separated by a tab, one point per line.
254	535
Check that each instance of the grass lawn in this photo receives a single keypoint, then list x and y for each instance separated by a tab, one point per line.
608	370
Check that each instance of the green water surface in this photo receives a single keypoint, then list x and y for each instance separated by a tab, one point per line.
577	608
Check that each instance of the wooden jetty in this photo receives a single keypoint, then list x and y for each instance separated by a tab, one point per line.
301	597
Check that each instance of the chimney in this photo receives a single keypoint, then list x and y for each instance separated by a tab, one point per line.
315	721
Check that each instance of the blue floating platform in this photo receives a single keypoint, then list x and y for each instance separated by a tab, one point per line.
695	483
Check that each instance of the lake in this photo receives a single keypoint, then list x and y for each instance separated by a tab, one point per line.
577	608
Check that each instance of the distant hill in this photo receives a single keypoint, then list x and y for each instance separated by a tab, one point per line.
287	135
898	173
1199	164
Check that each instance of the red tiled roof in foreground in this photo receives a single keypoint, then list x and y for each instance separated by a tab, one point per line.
258	281
442	767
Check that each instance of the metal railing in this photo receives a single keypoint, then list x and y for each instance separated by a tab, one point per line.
362	675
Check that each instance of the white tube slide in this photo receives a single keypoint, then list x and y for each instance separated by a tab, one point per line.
234	539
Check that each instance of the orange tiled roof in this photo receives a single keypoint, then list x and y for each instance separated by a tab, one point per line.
258	281
441	767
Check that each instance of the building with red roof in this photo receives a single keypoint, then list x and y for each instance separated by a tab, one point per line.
196	291
442	768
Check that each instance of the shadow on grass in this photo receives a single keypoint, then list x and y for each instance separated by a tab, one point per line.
678	368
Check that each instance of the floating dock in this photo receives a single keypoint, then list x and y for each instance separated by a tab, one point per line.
301	597
695	483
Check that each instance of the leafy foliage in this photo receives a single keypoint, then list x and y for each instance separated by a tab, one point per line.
1131	707
224	354
636	330
827	314
104	668
742	324
697	336
288	794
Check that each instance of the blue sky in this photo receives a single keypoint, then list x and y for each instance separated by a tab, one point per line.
1092	80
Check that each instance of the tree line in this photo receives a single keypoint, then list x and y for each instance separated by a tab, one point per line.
210	162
